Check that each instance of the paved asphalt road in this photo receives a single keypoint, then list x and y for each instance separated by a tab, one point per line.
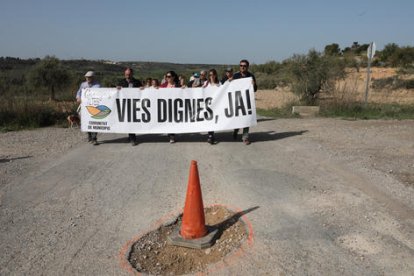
316	214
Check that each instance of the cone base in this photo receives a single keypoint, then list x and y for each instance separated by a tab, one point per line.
201	243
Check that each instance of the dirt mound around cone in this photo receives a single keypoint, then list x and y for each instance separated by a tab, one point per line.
154	255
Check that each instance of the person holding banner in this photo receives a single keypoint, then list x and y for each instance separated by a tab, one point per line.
194	80
183	81
228	75
212	81
155	83
203	78
89	83
172	81
244	73
130	81
148	82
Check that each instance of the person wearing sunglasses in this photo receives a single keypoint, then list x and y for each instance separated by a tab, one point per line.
212	81
244	73
171	82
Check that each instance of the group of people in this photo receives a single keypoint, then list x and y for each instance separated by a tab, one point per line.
170	80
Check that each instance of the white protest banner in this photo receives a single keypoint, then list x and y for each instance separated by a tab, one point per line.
169	110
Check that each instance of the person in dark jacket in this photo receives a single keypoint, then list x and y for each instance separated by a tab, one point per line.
244	73
130	81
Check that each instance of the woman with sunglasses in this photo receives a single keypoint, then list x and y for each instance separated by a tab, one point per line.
172	81
212	81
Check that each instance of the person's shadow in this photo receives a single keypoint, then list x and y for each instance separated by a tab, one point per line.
221	137
271	135
5	160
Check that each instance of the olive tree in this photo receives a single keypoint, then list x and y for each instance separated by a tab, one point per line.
50	74
332	50
312	73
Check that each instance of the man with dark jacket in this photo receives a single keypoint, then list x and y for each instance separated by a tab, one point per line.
244	73
130	81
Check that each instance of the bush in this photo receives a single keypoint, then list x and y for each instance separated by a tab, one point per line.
20	113
393	82
312	73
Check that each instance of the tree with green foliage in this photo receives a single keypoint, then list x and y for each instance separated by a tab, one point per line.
313	73
50	74
332	50
388	51
361	49
403	57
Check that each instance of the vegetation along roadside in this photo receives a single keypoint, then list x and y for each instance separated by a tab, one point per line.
40	92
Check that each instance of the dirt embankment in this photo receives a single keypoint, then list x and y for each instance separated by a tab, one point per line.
351	89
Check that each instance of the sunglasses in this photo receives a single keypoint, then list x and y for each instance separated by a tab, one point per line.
243	65
169	76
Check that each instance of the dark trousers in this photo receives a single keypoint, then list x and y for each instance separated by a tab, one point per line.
245	133
132	137
92	136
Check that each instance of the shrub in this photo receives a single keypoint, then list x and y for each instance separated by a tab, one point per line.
21	113
312	73
393	82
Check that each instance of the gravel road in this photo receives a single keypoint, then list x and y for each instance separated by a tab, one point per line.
333	196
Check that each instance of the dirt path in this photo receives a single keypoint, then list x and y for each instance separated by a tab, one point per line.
333	196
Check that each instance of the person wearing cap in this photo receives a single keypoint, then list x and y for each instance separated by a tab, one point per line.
244	73
130	81
194	80
89	83
228	75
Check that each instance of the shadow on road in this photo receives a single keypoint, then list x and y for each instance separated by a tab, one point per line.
197	137
222	226
5	160
264	119
271	135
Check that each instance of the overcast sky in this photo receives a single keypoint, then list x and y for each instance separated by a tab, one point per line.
212	32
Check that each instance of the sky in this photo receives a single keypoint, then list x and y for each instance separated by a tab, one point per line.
208	32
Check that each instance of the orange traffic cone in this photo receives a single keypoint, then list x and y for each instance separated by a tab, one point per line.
193	223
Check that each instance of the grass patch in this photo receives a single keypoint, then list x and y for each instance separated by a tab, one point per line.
280	112
348	110
275	113
367	112
18	114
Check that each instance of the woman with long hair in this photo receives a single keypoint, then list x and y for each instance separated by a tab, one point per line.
172	81
212	81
